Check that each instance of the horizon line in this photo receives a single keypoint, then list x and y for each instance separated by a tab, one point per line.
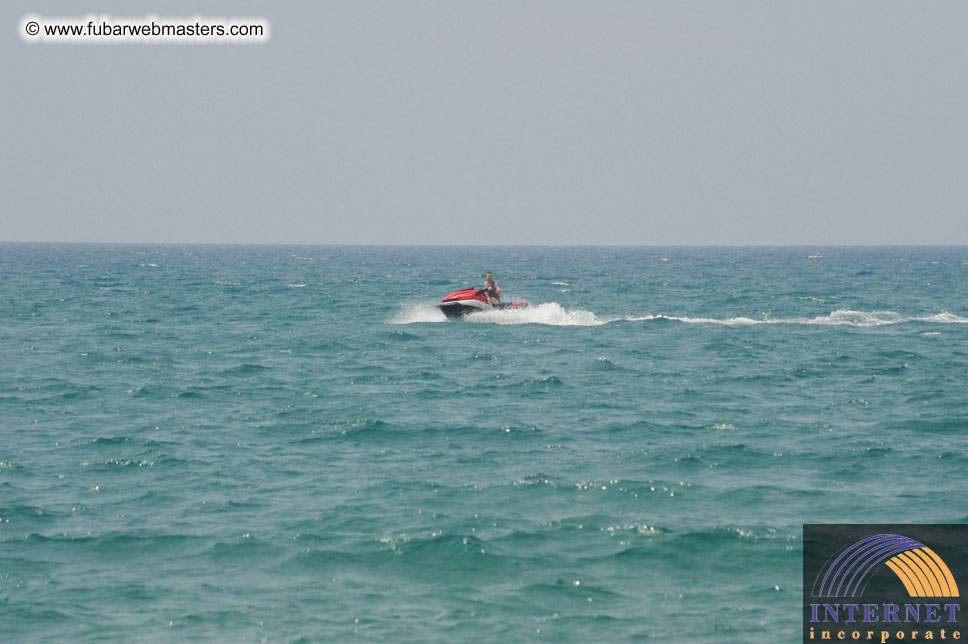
435	245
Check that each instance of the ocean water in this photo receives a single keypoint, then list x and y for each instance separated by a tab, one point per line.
290	444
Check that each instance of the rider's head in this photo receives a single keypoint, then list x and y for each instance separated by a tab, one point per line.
487	275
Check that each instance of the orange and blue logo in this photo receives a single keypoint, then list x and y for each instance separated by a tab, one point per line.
883	583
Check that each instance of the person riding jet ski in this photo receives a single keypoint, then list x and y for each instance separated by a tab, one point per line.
492	290
460	303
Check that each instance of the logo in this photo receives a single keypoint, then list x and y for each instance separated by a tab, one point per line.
883	583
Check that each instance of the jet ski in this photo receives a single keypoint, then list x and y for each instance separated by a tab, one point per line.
460	303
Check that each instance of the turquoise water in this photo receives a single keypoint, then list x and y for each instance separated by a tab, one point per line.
290	444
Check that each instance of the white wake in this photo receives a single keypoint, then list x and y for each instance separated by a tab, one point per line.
553	314
549	313
841	317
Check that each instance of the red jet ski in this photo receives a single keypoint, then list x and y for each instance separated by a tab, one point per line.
460	303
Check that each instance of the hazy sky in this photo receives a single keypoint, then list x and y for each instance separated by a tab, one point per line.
523	122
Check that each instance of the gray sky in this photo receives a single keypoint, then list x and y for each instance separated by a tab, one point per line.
528	122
